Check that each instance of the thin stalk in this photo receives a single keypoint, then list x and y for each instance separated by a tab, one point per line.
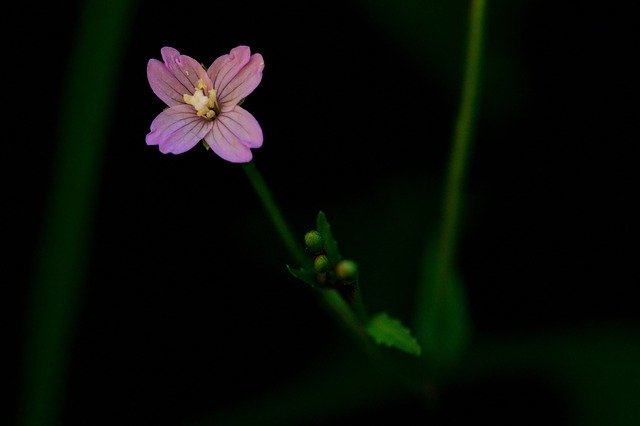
353	320
442	318
461	148
274	213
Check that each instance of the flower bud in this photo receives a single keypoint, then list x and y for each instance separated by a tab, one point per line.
347	270
321	263
314	241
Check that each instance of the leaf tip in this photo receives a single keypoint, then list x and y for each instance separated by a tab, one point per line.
388	331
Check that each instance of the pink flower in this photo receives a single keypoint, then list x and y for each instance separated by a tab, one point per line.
203	104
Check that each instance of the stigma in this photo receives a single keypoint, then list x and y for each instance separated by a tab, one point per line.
205	105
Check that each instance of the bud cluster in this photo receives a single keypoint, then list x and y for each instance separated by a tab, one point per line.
343	273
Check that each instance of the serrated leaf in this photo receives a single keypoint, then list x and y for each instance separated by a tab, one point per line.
330	244
306	275
385	330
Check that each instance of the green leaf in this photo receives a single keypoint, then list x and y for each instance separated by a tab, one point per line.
306	275
331	246
388	331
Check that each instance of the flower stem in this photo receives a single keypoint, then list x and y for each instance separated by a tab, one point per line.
260	186
353	319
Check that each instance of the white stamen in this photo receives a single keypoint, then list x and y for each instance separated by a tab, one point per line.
205	106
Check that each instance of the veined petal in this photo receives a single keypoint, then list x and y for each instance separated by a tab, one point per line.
244	82
164	84
226	67
227	145
242	125
186	69
177	129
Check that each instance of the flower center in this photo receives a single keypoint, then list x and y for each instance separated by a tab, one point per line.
206	105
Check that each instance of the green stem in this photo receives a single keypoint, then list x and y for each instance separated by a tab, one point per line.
353	320
359	306
348	316
260	186
462	141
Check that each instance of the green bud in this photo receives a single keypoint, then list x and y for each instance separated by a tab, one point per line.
321	264
347	270
314	241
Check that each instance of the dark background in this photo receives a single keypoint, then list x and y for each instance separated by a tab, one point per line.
187	311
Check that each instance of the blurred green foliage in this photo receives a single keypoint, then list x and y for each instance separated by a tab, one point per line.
434	34
62	263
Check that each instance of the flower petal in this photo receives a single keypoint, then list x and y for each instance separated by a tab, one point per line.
223	69
243	125
186	69
164	84
235	75
245	81
177	129
227	145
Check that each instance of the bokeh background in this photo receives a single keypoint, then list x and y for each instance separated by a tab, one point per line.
180	308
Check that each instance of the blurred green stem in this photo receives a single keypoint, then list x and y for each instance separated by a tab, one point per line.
55	294
461	149
442	320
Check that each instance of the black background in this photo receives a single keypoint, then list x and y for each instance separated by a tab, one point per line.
187	309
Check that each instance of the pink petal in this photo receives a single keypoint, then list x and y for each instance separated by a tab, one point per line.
244	82
164	84
243	125
237	72
177	129
223	69
227	145
186	69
